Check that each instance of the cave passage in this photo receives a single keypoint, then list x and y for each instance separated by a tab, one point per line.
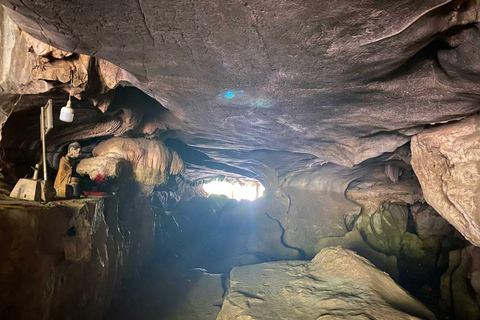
233	160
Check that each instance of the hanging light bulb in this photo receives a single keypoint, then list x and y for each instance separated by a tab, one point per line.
67	113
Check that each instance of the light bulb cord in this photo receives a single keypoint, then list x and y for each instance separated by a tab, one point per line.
71	87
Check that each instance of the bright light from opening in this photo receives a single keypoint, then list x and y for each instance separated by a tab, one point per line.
248	191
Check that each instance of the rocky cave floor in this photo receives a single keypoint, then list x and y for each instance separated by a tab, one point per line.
179	284
167	290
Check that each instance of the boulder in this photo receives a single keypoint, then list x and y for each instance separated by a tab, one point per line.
353	241
446	160
336	284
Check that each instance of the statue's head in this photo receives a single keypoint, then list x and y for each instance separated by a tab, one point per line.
74	150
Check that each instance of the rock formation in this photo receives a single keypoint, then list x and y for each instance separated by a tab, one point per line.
46	248
150	162
294	77
336	284
445	159
359	118
460	288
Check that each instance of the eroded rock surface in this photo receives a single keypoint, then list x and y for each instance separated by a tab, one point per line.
150	161
336	284
446	160
342	81
217	238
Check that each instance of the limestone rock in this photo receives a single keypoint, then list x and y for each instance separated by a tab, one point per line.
338	80
456	283
445	159
383	230
152	162
428	222
376	188
237	234
110	167
336	284
203	298
412	246
311	204
353	241
60	260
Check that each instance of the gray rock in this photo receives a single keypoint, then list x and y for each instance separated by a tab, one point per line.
340	80
412	246
201	301
336	284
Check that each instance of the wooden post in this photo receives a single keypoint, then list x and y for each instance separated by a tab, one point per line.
44	146
46	124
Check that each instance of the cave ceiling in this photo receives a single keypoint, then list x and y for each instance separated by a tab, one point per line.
277	82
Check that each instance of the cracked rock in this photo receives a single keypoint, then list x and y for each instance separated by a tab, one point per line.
336	284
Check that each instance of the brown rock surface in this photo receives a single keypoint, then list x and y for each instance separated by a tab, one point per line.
336	284
342	81
60	261
446	160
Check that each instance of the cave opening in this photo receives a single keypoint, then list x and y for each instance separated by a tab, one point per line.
237	190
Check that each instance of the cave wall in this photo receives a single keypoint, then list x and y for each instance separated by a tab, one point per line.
66	260
359	199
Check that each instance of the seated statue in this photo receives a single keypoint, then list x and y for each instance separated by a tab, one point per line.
66	170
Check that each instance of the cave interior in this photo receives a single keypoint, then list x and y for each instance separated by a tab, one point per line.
354	125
